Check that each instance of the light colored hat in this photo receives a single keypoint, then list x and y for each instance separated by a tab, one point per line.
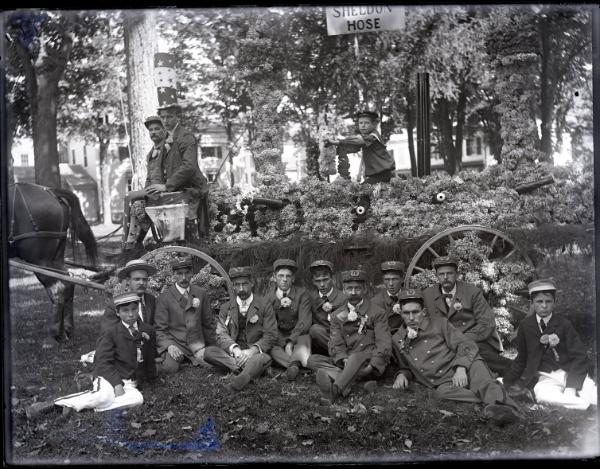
151	119
125	298
541	285
136	264
354	276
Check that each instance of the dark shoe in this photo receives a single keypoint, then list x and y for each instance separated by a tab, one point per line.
240	382
325	383
370	386
39	408
84	381
292	371
501	414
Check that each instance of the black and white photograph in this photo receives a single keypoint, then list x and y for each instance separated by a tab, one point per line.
299	234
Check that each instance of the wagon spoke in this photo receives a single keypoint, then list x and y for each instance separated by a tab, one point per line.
493	242
430	249
419	268
509	254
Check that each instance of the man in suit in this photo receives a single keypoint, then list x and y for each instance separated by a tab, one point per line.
182	173
325	299
437	355
550	356
124	356
246	331
135	275
387	298
185	324
360	345
466	309
292	310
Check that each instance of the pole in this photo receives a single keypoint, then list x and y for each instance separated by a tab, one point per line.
423	126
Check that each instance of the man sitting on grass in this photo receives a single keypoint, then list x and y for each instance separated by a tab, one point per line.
246	331
550	355
437	355
124	354
359	345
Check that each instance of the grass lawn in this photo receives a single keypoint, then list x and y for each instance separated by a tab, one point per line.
189	417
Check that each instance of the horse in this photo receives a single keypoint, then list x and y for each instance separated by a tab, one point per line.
39	220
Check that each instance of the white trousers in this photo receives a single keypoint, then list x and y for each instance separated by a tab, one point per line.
550	390
102	397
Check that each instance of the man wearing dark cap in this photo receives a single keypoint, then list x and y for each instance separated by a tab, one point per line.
181	171
292	310
324	301
246	331
551	358
437	355
185	324
387	297
378	163
465	307
155	164
360	343
124	356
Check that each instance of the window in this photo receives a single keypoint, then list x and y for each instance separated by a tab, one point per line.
73	155
479	146
211	152
24	159
469	146
85	162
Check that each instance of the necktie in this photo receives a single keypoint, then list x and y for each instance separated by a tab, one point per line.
324	299
284	294
394	298
543	325
138	343
186	294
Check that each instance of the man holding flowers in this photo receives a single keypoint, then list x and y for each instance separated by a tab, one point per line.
437	355
550	355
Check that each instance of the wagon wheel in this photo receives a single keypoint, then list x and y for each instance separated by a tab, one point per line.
502	248
199	254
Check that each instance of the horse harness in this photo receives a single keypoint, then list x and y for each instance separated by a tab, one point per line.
37	233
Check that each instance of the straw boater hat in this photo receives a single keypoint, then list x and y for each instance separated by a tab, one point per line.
541	285
125	298
136	264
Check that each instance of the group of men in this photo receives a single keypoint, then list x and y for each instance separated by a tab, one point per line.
443	338
172	166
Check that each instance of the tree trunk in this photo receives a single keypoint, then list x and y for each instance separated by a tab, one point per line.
546	87
104	160
446	145
460	124
140	46
410	124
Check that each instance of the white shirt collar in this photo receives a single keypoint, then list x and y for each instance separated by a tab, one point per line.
329	293
351	307
546	319
279	293
245	303
182	290
134	325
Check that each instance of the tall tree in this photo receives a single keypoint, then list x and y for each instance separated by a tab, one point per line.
139	29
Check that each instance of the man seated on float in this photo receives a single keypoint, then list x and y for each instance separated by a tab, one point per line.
387	297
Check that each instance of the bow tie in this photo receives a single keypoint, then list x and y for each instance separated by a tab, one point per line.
324	299
448	295
394	297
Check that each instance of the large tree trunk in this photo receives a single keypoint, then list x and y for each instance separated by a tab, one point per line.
460	124
410	125
104	160
140	46
547	92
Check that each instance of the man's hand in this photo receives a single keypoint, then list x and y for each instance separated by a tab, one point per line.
175	352
119	391
156	188
401	382
289	348
459	380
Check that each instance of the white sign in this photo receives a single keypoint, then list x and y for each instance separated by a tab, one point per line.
363	19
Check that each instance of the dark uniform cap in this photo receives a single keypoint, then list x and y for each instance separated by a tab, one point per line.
410	294
151	119
321	263
182	263
235	272
392	265
136	264
444	260
354	276
541	285
371	114
125	298
285	263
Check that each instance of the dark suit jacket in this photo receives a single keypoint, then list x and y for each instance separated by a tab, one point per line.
319	316
295	320
530	352
476	319
383	300
179	323
261	325
116	354
155	170
375	336
148	308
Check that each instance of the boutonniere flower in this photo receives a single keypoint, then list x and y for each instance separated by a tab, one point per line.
352	316
411	333
363	321
457	305
550	340
327	307
396	309
254	319
195	302
286	302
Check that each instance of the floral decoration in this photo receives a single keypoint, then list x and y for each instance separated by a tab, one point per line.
286	302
